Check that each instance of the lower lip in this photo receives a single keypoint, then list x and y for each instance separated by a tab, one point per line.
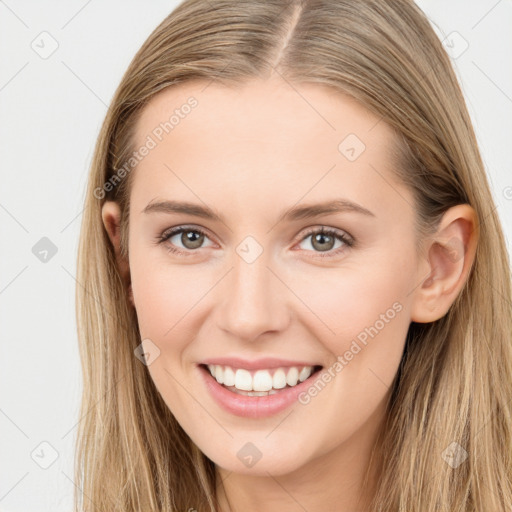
253	406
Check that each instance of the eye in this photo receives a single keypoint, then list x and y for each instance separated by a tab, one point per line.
323	240
191	239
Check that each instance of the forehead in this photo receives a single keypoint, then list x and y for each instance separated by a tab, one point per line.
273	110
263	136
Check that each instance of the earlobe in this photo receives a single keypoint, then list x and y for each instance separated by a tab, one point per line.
451	252
111	216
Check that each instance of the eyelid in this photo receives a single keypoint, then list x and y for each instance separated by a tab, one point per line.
183	227
170	232
345	237
328	230
310	230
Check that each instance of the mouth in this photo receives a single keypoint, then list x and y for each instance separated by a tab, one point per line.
261	382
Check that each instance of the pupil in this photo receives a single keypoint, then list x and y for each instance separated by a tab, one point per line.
193	238
321	238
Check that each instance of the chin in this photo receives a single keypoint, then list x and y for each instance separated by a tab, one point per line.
259	458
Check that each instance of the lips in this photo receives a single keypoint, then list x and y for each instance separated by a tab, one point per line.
256	388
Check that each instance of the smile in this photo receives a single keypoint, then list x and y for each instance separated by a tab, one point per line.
258	392
260	382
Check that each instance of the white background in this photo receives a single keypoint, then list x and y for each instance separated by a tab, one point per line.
51	111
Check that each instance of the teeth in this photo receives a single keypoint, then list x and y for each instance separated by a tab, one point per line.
305	373
219	374
229	377
262	382
279	379
257	393
243	380
292	376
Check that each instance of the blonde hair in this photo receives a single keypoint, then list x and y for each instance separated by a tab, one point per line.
454	383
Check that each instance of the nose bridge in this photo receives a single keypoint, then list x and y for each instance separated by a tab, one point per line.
252	303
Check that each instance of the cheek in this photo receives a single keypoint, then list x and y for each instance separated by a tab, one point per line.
165	294
166	300
340	304
347	302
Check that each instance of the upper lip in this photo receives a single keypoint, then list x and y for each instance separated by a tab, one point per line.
256	364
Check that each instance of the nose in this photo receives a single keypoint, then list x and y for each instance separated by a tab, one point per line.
252	300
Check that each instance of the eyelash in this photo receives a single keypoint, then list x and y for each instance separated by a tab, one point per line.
348	241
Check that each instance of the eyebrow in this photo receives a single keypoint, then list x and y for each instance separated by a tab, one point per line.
295	213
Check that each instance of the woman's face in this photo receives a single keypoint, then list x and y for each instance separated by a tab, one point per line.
252	288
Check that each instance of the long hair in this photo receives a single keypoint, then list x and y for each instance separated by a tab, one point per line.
452	392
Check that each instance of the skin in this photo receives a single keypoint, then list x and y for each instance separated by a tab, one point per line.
249	153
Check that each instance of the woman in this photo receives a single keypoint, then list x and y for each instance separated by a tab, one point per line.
231	361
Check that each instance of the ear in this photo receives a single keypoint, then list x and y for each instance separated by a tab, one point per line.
111	215
450	256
